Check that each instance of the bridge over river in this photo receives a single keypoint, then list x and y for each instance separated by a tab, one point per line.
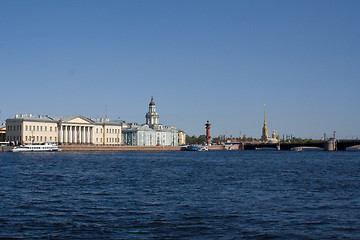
330	145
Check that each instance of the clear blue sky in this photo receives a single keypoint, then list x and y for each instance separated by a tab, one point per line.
201	60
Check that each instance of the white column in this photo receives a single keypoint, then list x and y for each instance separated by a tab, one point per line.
74	134
65	134
88	135
83	135
70	135
61	134
92	135
80	140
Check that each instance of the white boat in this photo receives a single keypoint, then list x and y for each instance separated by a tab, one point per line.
47	147
196	148
297	149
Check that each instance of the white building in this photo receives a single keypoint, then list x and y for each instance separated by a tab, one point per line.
152	133
28	128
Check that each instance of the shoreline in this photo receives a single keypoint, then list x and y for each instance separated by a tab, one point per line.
94	148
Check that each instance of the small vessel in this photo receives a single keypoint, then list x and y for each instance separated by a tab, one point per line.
46	147
198	148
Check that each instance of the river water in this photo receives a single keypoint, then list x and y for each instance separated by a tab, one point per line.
180	195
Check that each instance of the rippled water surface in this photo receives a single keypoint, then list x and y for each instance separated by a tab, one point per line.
180	195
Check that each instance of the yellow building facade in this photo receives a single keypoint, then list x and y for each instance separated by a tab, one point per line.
26	129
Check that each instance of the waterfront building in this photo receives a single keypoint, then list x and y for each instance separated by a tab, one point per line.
3	133
181	137
152	133
28	128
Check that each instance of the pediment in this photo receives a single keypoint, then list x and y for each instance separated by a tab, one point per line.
80	120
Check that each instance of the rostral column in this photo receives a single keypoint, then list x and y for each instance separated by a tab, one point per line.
207	126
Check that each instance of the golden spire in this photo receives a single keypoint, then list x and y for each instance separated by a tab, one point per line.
265	134
264	114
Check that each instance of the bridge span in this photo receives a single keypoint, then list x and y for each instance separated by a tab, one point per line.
330	145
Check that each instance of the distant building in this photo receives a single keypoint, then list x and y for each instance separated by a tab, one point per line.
182	137
3	133
37	129
265	134
28	128
152	133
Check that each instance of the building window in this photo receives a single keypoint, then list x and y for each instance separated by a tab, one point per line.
40	138
45	139
55	139
37	128
50	139
45	130
37	138
50	129
26	128
97	131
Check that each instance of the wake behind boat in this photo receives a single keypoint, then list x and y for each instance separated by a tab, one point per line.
47	147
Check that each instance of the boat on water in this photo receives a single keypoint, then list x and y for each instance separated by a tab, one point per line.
297	149
47	147
198	148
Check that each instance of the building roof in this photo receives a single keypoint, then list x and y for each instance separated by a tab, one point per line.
47	118
31	117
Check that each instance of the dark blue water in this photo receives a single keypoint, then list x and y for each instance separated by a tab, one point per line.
180	195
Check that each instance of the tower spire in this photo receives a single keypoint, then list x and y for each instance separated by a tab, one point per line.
152	117
265	133
264	114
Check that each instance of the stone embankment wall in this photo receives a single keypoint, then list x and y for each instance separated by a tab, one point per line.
128	148
217	147
4	148
118	148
